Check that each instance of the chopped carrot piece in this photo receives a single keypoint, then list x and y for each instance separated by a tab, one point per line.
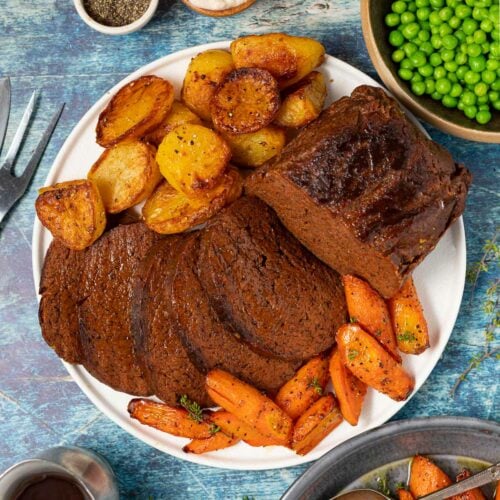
404	494
474	494
216	442
426	477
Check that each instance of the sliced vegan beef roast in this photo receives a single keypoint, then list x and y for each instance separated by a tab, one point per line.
364	190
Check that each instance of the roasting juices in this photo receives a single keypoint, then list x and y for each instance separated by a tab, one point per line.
53	486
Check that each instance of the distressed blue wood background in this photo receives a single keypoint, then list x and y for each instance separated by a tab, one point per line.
44	45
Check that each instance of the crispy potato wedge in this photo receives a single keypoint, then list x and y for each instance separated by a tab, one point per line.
410	326
238	429
125	174
245	101
168	211
179	114
474	494
254	149
136	109
369	309
217	441
193	158
306	387
287	58
249	405
176	421
205	72
303	102
315	424
372	364
404	494
349	390
73	212
426	477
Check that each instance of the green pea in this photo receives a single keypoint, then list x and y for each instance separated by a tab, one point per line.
479	14
436	42
482	100
405	74
409	48
447	55
477	64
434	30
430	86
435	59
443	86
398	55
423	35
483	107
455	22
436	96
470	111
481	89
461	58
488	76
439	72
446	13
471	77
423	13
437	4
474	50
469	26
427	48
487	25
460	35
434	18
421	3
406	64
460	105
453	3
398	7
495	50
469	39
452	77
480	37
418	59
461	72
426	25
456	90
451	66
449	42
392	19
410	31
418	88
407	17
469	98
496	85
396	39
463	48
412	7
426	70
483	117
449	102
492	64
496	105
463	11
485	47
444	30
495	34
494	13
493	96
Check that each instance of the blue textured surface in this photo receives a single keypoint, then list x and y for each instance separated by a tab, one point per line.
44	45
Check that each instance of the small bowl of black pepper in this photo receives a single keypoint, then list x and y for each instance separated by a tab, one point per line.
116	17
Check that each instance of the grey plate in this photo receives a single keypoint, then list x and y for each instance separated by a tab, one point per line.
347	463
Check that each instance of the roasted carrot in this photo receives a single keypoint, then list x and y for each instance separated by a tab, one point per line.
236	428
216	442
369	309
426	477
176	421
372	364
315	424
474	494
408	321
249	405
306	387
350	391
404	494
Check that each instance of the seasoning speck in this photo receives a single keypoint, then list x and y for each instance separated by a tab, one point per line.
115	12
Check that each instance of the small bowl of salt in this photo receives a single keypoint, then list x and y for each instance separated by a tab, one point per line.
116	17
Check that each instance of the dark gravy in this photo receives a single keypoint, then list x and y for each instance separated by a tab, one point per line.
50	486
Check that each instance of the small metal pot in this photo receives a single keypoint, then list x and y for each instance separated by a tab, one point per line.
89	470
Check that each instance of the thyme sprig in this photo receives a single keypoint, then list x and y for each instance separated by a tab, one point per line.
194	409
314	383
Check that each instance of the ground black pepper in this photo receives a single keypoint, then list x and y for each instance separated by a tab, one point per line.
115	12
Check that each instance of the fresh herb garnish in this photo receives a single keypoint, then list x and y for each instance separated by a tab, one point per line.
193	408
383	485
353	319
314	383
352	354
407	336
214	429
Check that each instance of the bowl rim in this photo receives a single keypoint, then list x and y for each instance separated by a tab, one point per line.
116	30
406	98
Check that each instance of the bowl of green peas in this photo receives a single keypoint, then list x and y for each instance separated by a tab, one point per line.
441	59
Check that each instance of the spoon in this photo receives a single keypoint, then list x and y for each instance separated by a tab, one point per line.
486	476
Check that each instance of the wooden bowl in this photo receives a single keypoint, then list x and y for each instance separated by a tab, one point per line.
222	12
451	121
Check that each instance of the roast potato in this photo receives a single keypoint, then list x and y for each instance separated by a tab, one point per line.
136	109
246	101
204	73
125	175
193	158
287	58
304	101
73	212
178	115
254	149
169	211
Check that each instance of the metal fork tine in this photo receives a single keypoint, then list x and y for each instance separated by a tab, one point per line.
4	107
21	130
34	160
